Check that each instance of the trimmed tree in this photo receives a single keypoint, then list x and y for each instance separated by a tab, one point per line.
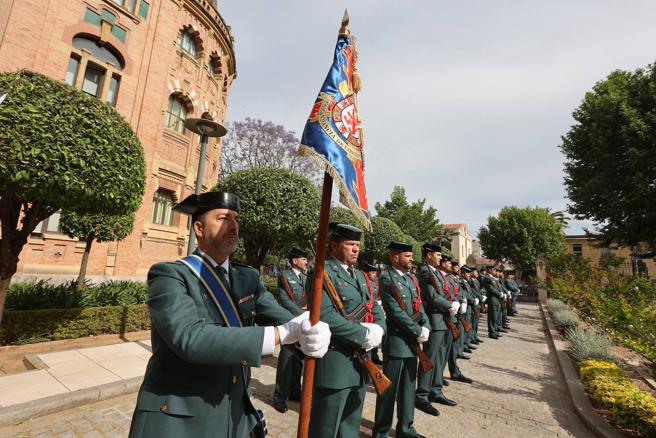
376	241
60	149
521	235
89	227
279	209
610	165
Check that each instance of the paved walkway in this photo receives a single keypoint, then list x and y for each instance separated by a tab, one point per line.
518	392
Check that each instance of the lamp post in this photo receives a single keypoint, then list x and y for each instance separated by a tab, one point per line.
206	129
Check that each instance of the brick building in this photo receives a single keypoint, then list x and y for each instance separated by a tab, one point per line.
158	62
461	241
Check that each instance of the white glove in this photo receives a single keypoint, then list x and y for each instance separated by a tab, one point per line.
476	301
463	307
454	308
484	298
290	332
374	335
314	338
423	337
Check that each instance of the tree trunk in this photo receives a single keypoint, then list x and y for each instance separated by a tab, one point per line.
4	287
255	254
85	260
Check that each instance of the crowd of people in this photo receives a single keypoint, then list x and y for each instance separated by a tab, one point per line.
212	319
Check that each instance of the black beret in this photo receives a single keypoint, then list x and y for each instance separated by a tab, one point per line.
368	267
465	268
295	252
455	264
344	231
445	258
399	246
195	205
427	248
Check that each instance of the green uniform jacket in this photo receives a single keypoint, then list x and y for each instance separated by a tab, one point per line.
197	378
339	369
296	285
446	288
436	304
402	331
511	286
468	294
492	291
475	288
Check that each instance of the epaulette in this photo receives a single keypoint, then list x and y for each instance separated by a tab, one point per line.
242	265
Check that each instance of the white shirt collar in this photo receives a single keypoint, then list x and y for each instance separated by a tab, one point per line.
432	268
399	272
297	272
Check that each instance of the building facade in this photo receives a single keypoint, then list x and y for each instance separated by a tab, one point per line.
591	249
461	241
157	62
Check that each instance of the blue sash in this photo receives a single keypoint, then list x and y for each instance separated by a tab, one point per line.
202	269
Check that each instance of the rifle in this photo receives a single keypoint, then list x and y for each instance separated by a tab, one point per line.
477	313
290	294
455	331
425	364
464	322
378	379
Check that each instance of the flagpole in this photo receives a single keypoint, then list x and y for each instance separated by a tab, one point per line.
315	304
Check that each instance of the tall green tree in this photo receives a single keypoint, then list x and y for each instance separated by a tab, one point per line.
414	218
521	235
610	167
60	149
375	242
279	208
100	227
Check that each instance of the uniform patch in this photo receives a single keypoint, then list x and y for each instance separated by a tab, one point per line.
246	298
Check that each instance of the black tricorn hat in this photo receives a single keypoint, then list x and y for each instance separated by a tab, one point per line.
427	248
368	267
399	246
455	264
296	252
344	231
445	258
465	268
195	205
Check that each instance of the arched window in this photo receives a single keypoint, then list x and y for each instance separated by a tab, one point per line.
94	69
187	44
176	114
162	207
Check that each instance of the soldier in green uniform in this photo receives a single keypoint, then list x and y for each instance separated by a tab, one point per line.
401	296
471	302
372	273
511	285
454	280
291	290
204	340
494	299
340	378
478	303
438	308
506	300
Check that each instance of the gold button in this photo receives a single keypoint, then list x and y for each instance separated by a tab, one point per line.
164	408
253	312
243	363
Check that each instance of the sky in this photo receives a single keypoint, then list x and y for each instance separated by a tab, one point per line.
463	103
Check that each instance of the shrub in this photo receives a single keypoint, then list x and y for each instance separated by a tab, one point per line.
565	320
629	406
588	344
555	305
43	295
271	284
29	326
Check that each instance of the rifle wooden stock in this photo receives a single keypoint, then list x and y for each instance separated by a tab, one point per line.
425	364
477	313
484	308
378	379
290	294
464	322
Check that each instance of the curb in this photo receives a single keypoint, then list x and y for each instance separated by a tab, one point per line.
578	397
19	413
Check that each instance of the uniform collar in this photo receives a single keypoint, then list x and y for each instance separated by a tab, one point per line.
297	272
225	265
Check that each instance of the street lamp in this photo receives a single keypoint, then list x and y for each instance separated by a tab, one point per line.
206	129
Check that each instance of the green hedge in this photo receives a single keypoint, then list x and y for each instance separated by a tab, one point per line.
628	406
30	326
41	294
271	284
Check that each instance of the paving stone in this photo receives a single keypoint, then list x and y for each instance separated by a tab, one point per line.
517	392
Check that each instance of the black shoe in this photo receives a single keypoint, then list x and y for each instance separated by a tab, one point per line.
504	330
445	382
427	408
479	341
507	327
493	336
280	406
468	350
442	400
462	356
295	397
473	347
463	379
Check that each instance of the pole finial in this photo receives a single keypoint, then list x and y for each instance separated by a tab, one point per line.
344	29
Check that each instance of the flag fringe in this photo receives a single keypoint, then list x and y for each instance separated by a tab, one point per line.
345	198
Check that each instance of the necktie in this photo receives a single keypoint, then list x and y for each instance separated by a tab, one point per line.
224	277
351	273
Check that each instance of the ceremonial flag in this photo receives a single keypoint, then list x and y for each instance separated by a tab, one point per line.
332	136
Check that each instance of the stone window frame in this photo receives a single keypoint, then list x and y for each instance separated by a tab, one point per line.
215	66
196	40
187	104
85	59
162	192
133	8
